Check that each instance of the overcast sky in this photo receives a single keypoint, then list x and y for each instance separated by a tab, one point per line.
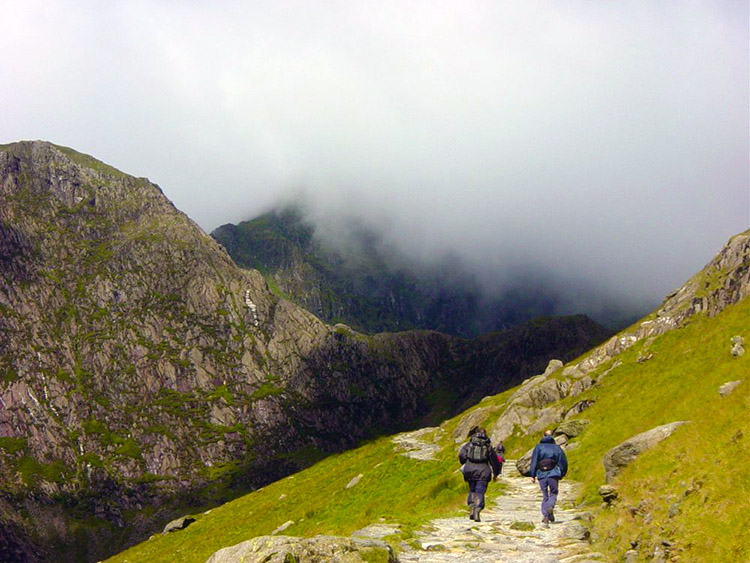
605	141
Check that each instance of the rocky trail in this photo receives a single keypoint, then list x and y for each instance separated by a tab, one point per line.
510	530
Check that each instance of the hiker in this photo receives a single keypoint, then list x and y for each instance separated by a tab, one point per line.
548	466
479	466
500	452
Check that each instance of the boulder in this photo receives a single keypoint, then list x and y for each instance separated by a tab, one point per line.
283	549
515	415
545	418
737	346
728	387
572	428
552	367
576	531
474	418
578	408
581	385
283	527
523	463
178	524
608	493
625	453
354	481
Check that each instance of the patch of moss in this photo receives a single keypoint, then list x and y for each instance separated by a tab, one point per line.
12	445
31	470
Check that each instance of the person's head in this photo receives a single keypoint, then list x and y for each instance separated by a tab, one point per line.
548	432
474	430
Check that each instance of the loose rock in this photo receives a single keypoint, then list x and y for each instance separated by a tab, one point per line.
728	387
625	453
178	524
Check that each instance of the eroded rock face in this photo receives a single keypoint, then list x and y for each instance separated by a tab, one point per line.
282	549
624	454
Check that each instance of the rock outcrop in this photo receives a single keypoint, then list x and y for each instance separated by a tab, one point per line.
624	454
286	549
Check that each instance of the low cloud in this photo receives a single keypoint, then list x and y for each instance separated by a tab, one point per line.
597	145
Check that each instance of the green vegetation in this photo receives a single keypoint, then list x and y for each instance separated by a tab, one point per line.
393	487
684	489
88	161
12	445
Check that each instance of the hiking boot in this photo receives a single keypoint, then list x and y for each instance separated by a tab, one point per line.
551	514
476	516
545	521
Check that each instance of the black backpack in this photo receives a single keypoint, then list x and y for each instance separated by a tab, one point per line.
478	450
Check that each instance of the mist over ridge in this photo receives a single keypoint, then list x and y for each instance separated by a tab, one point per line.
598	148
350	269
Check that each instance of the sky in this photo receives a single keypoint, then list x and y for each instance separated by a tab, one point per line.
596	143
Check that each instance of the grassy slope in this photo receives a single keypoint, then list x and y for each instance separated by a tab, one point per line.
393	488
697	472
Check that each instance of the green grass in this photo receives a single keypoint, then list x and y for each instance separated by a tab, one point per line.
690	489
393	487
680	382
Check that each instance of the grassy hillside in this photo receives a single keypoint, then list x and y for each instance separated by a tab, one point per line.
393	489
698	472
686	492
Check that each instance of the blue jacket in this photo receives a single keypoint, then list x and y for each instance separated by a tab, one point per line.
547	448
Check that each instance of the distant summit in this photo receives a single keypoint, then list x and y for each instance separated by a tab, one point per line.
358	279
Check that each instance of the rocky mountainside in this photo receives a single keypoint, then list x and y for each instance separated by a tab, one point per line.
360	280
654	422
141	371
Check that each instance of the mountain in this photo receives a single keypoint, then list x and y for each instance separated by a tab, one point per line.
680	374
356	278
142	373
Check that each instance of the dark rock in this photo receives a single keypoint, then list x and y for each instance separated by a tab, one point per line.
178	524
578	408
608	493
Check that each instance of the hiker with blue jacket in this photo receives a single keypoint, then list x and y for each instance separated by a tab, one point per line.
548	466
480	464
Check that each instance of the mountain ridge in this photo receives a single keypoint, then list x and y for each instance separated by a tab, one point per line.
356	277
141	371
680	366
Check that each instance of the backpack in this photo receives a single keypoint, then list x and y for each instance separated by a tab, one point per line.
478	450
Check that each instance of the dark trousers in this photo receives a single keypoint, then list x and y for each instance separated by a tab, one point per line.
549	492
478	488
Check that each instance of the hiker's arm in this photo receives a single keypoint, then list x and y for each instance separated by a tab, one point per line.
532	467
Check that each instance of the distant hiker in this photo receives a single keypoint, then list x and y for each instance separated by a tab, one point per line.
548	465
479	465
500	452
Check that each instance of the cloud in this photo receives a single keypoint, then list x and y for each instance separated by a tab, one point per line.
601	143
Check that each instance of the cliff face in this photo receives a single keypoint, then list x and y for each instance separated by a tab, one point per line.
141	369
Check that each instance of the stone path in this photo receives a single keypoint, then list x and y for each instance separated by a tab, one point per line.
494	539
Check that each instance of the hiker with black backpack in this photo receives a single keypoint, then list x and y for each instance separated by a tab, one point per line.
480	464
548	465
